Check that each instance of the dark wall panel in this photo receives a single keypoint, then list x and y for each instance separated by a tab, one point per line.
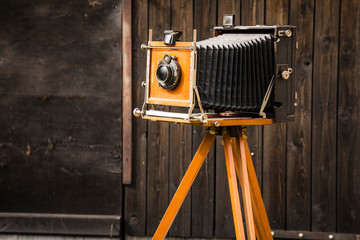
299	133
60	121
135	194
307	170
326	42
274	160
348	139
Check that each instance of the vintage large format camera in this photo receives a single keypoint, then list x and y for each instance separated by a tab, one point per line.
241	72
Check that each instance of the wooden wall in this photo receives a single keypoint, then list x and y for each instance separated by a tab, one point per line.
309	171
60	116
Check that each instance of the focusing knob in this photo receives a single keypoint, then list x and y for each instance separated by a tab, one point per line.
168	72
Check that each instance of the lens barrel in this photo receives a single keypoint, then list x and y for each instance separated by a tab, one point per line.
168	72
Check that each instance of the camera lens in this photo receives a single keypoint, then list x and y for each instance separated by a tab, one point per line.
168	72
163	73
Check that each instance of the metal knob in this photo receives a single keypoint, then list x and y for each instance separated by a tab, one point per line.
283	33
144	47
203	118
143	84
286	74
137	112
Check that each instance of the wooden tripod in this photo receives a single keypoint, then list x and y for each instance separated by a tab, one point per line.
238	161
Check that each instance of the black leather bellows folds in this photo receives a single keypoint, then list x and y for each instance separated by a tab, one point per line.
234	71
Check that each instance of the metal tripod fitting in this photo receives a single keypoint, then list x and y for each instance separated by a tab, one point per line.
213	130
243	132
223	131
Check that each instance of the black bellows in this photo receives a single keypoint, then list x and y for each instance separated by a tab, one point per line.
234	71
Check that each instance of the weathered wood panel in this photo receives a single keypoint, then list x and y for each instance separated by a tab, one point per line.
299	133
60	88
136	194
60	121
348	133
274	153
296	162
326	40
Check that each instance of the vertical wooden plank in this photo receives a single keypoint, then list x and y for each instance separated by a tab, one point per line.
158	135
224	227
203	190
180	135
135	194
126	92
348	178
324	116
274	156
252	13
229	7
298	190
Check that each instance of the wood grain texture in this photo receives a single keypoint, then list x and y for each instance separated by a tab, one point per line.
348	142
274	152
158	135
126	91
228	7
135	195
60	121
299	133
326	41
203	189
252	12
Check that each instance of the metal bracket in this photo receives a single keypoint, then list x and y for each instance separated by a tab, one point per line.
266	98
283	71
285	33
198	99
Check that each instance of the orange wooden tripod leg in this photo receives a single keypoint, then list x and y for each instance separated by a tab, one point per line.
184	186
241	170
233	186
262	226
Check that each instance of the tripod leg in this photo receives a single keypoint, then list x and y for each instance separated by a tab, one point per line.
233	187
262	226
241	170
184	186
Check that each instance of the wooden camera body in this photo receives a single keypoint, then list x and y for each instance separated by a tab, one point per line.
243	72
